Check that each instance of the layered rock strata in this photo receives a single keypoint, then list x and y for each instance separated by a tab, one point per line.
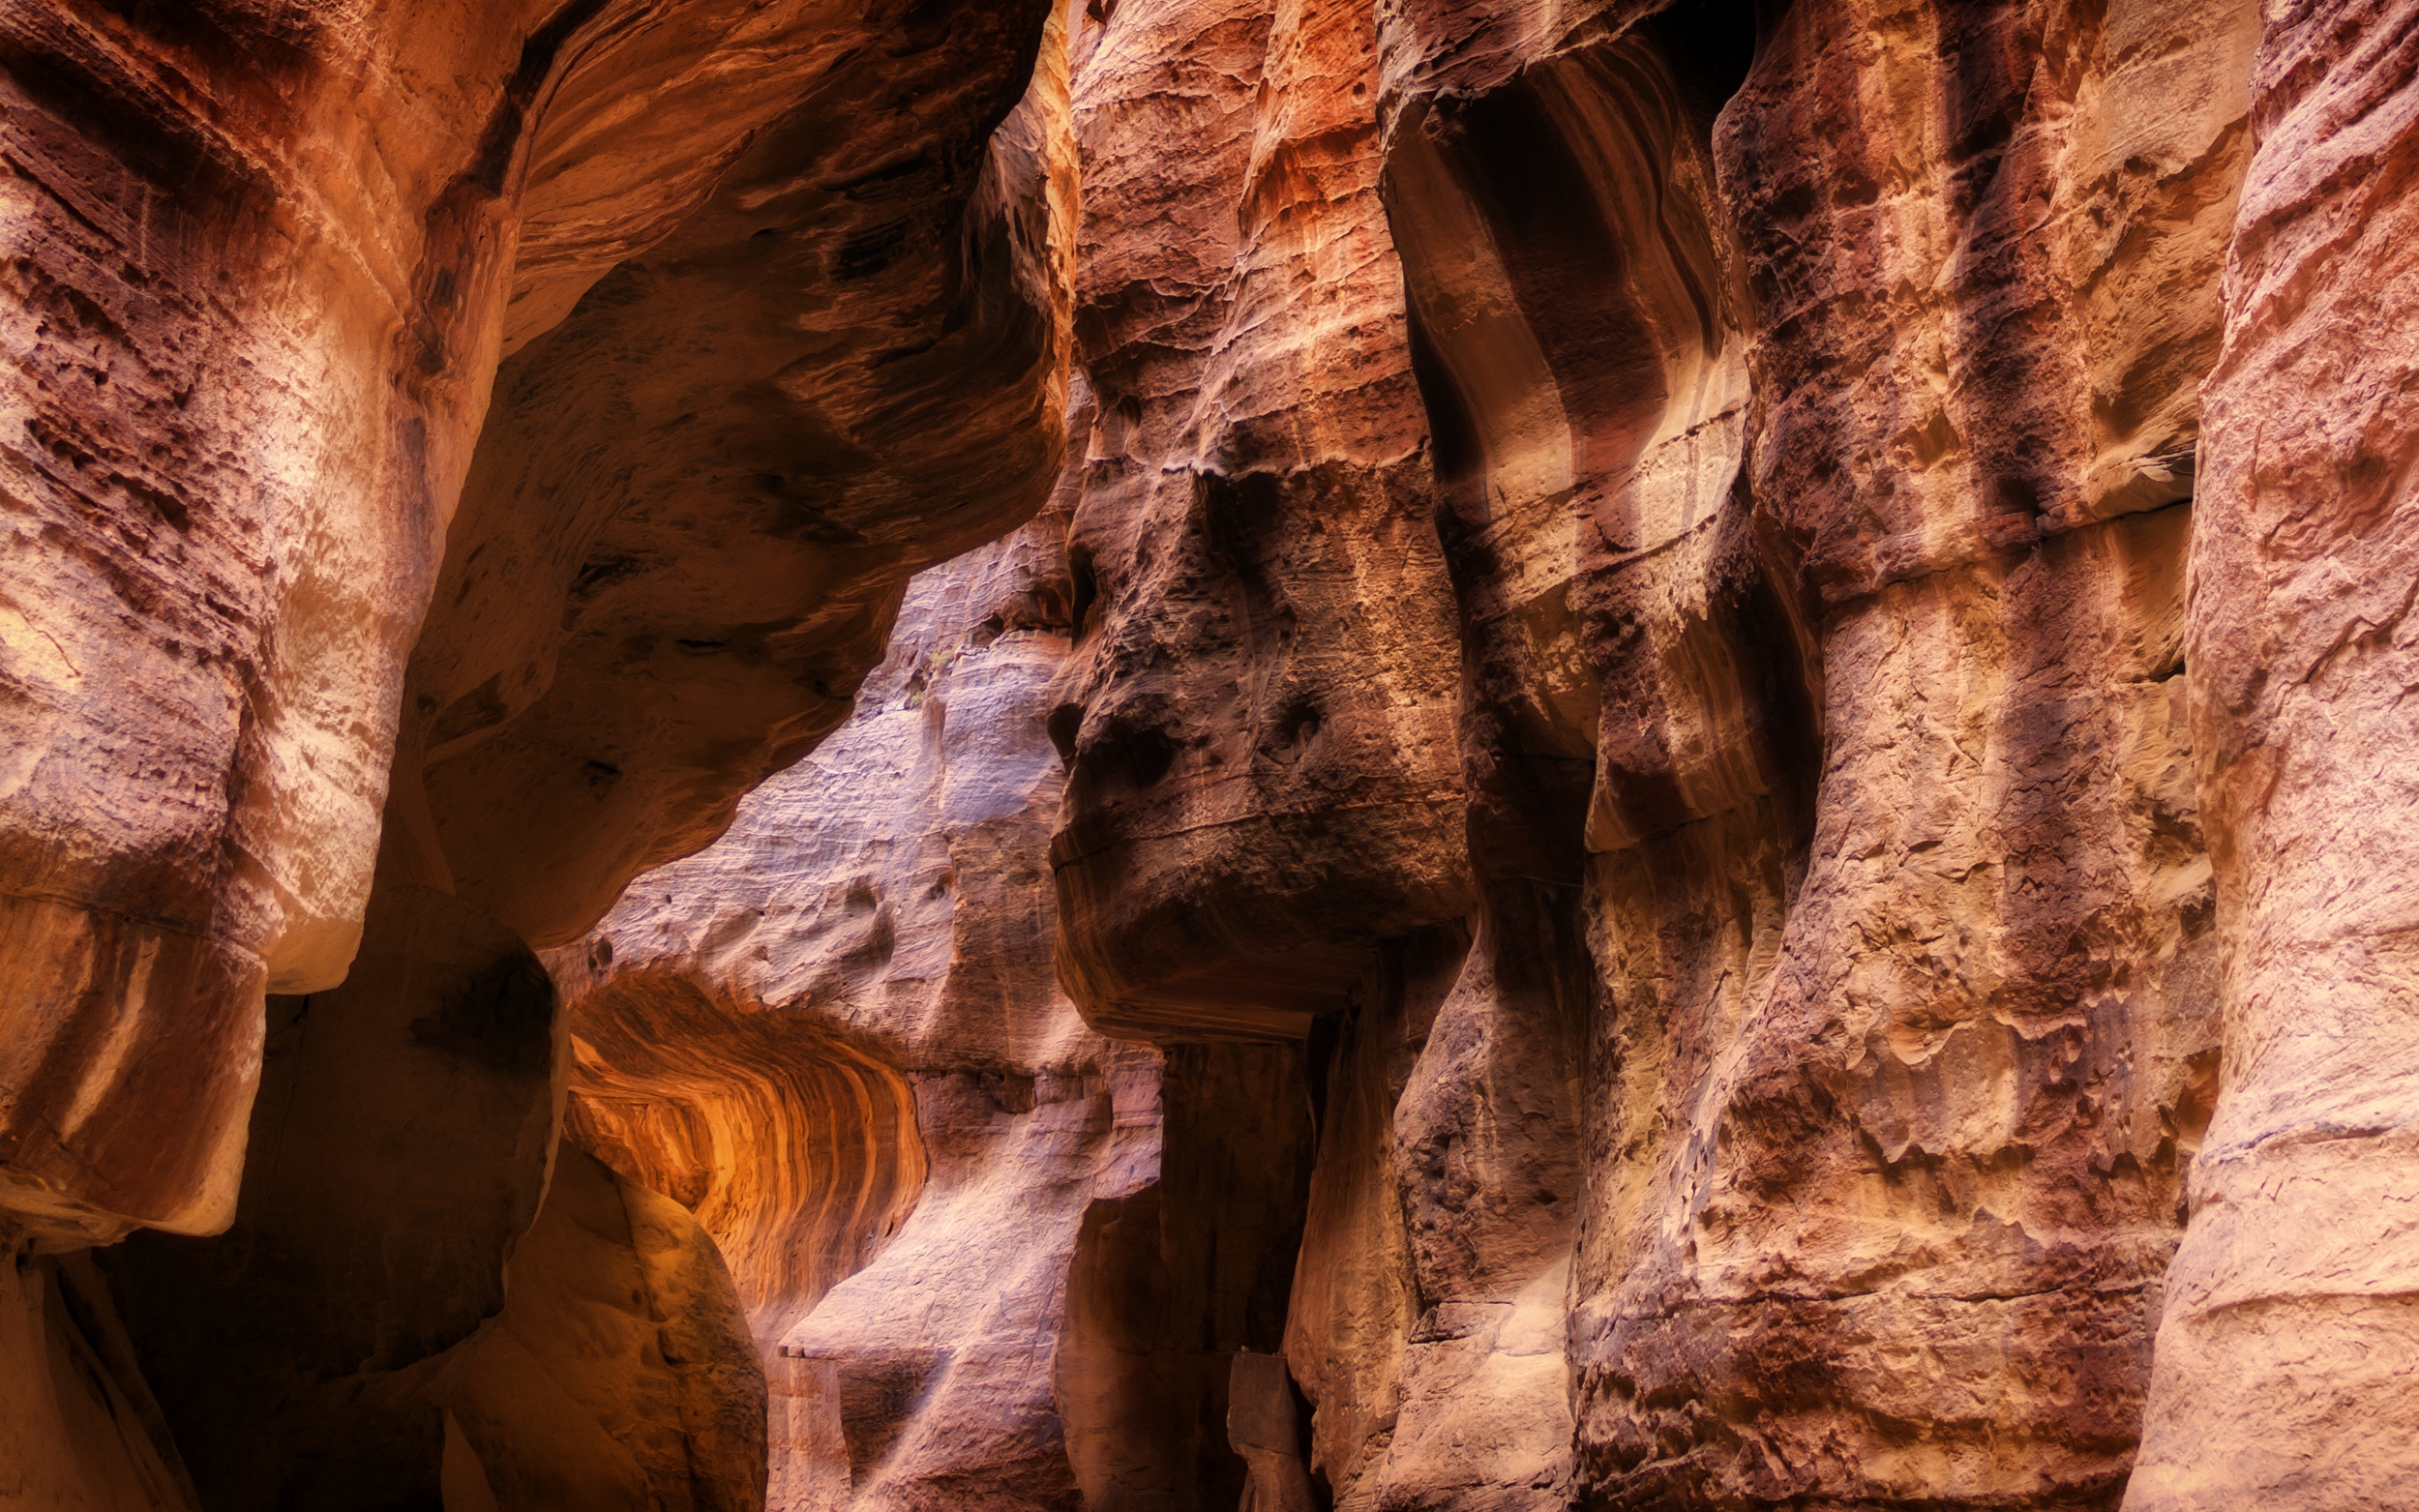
739	264
1691	801
856	1056
1812	480
2281	1377
1916	1163
253	339
976	1274
1651	610
246	369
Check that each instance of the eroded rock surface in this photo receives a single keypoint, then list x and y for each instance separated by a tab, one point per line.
2283	1375
976	1274
856	1055
742	264
253	341
245	376
1259	727
1693	798
1936	1109
699	490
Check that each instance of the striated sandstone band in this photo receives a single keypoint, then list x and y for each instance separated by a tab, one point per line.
1691	797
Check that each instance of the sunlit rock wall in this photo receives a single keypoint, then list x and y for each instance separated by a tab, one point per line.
835	1037
2289	1309
267	259
251	339
1904	1130
1795	1103
286	569
1692	798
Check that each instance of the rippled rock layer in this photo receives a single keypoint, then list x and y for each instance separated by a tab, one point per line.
1694	793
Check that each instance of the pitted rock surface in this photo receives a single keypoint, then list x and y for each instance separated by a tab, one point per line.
1208	753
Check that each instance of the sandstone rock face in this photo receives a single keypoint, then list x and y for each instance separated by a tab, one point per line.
268	261
1259	726
1691	797
834	1036
991	1258
238	437
619	1373
1812	401
1963	1054
2281	1377
81	1429
1623	1074
248	356
699	490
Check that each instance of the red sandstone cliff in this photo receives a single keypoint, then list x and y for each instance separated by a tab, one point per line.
1693	797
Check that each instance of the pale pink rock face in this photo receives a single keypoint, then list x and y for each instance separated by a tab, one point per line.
1692	793
2283	1357
835	1036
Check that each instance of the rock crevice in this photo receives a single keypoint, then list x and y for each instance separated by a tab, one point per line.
1207	754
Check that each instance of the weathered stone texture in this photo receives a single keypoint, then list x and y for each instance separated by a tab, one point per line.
742	265
2285	1355
697	493
254	344
1258	725
235	417
1694	797
1918	1114
835	1036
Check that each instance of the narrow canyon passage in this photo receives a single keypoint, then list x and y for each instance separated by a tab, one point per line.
1209	756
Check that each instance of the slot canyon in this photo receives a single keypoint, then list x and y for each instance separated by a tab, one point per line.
1209	756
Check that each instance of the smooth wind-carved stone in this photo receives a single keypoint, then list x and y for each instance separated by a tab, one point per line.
1693	794
743	265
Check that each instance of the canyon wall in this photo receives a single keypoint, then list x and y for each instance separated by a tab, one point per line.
1690	795
453	453
266	260
2289	1309
988	1257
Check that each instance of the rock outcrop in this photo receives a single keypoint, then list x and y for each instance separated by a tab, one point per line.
854	1065
1911	1202
2281	1377
1259	727
311	592
1692	796
253	341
